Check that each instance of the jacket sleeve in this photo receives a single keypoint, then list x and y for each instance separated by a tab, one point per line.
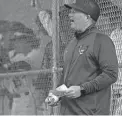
104	51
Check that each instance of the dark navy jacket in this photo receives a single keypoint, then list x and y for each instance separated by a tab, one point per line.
90	61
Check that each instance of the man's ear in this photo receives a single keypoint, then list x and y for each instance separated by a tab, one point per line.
88	17
1	36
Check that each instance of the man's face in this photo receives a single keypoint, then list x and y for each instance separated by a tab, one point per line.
78	20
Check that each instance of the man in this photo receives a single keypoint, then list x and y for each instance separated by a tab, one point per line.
90	64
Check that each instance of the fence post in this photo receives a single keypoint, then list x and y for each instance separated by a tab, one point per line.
55	49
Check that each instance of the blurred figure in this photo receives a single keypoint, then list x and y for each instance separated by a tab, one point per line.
116	37
5	95
44	23
22	43
26	47
4	41
26	53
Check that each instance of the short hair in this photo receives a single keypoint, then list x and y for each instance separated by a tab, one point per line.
91	19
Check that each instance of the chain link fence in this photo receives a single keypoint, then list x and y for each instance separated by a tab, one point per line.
31	60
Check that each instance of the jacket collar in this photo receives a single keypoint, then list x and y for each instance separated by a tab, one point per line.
80	35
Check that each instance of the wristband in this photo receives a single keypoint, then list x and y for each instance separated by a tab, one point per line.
82	90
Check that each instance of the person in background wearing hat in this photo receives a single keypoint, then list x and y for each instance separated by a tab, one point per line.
90	64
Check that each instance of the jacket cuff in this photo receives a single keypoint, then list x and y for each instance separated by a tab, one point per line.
82	90
87	88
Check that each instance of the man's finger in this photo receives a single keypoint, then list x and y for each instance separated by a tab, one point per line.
69	95
69	91
54	104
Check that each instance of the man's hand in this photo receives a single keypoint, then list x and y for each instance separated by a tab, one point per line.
52	103
52	100
73	92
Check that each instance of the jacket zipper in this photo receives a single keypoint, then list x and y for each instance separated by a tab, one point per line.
70	62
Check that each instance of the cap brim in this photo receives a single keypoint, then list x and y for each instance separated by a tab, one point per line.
70	6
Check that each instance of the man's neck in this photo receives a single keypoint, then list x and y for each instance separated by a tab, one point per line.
79	33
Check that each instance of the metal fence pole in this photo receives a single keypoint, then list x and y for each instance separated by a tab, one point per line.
55	40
